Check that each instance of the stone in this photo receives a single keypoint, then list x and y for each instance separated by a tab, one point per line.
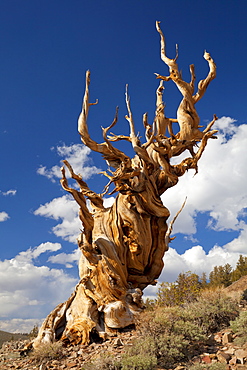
241	355
70	365
223	357
233	360
81	352
218	337
206	359
73	355
118	342
230	350
227	338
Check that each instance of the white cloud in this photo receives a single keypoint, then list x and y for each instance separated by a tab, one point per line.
220	186
108	202
3	216
78	156
9	192
19	325
66	259
239	244
28	291
66	209
35	252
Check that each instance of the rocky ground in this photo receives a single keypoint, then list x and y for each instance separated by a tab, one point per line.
72	357
220	348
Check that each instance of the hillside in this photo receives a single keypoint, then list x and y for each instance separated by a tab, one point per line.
236	289
5	337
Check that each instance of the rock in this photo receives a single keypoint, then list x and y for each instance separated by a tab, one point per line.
70	365
81	352
42	367
233	360
223	357
241	355
73	355
230	350
12	355
227	338
206	359
218	337
118	342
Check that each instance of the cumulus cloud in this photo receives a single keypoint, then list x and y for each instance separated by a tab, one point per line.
238	244
78	156
35	252
3	216
219	188
66	259
29	291
64	209
19	325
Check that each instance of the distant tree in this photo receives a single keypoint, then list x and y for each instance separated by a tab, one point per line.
203	280
167	294
185	289
241	268
150	304
34	332
221	275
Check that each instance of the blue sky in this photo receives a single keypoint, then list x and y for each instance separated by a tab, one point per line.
46	48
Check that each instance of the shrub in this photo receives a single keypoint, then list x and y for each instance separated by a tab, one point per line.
150	304
185	289
34	332
140	356
48	351
171	333
213	310
239	327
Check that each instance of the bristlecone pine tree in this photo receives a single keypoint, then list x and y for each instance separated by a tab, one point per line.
123	246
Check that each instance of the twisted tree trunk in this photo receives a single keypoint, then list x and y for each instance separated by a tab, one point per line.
123	246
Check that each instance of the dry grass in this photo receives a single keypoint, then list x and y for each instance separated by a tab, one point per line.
47	352
236	289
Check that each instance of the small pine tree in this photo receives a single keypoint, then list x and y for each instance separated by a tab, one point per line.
221	276
241	268
185	289
34	332
203	280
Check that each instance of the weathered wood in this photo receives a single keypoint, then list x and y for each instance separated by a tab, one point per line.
123	246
